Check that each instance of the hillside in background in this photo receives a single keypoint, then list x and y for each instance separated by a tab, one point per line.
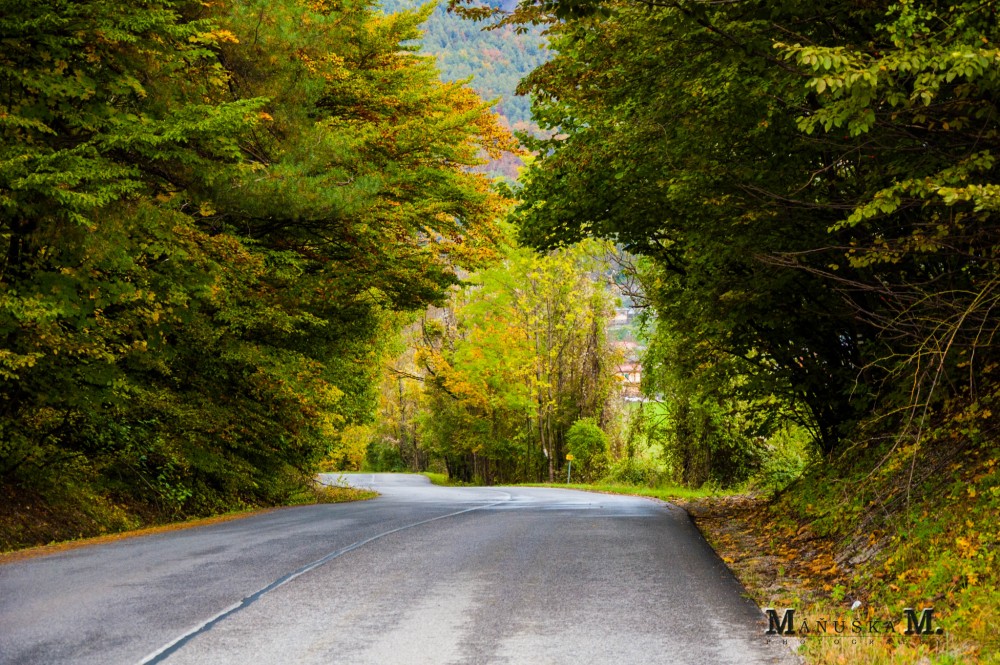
496	60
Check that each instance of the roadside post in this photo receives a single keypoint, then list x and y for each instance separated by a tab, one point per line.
569	469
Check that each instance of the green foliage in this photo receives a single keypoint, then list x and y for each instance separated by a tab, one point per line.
662	143
636	471
383	457
491	384
819	217
588	443
215	216
786	456
586	440
922	231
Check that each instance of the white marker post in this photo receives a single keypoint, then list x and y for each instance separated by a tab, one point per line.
569	470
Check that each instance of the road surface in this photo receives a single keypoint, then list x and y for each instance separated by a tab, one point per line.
422	574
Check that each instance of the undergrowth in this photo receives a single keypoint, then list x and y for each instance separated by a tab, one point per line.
920	531
865	538
31	517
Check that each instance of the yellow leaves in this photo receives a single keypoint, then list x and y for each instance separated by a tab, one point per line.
966	549
321	6
329	66
206	209
11	362
214	37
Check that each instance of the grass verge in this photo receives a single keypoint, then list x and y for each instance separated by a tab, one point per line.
854	545
439	479
670	493
30	526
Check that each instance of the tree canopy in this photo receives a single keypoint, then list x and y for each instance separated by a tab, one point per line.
814	187
215	216
491	383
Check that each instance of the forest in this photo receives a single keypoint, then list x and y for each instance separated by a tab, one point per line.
244	241
216	217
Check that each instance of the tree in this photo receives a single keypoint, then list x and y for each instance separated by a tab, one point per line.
673	136
913	116
815	187
517	357
217	216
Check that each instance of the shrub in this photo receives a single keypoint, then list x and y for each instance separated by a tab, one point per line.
588	443
634	471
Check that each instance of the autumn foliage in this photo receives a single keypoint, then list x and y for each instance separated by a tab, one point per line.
213	215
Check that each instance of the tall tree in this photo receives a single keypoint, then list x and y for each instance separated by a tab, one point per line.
815	185
672	135
214	215
518	356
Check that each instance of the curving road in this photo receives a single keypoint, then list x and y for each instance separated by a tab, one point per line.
423	574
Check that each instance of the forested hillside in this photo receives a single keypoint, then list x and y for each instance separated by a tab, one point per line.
215	217
495	60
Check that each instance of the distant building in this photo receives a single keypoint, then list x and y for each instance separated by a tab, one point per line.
629	352
631	372
631	375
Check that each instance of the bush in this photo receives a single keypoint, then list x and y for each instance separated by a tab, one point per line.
634	471
786	456
588	444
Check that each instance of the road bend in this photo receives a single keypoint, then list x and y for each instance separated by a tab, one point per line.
422	574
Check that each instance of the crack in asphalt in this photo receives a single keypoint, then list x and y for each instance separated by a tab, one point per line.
173	646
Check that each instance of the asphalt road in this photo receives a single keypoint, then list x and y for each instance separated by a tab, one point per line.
422	574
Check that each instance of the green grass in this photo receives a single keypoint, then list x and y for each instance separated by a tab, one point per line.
443	479
437	478
664	493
